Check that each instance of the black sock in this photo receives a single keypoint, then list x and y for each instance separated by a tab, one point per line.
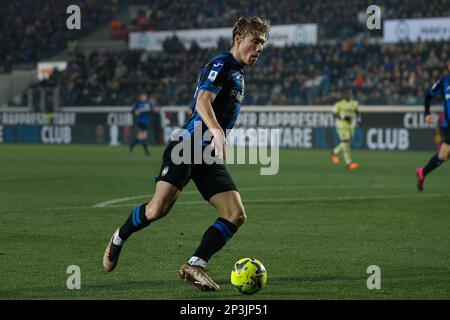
135	222
215	238
434	162
132	145
144	144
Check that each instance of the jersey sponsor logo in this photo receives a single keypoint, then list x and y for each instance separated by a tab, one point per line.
212	75
239	96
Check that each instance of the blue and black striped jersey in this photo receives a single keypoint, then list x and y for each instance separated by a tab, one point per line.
143	109
223	76
440	88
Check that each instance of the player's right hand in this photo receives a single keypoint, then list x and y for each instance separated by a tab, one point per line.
219	143
428	119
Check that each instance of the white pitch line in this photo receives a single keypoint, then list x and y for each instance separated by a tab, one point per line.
113	202
309	199
110	203
252	201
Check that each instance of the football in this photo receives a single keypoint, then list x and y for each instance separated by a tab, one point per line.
248	276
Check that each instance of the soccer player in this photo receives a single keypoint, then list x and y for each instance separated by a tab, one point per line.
440	88
217	102
346	113
141	117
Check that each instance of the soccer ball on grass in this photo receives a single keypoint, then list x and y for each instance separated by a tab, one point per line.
248	276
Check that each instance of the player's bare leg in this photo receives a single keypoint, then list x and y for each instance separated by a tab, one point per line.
232	216
230	207
141	216
433	163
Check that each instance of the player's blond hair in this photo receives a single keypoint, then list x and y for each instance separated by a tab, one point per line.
251	25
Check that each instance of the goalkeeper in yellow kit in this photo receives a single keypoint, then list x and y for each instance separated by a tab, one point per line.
347	115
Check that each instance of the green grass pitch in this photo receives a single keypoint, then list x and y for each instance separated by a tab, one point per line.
316	227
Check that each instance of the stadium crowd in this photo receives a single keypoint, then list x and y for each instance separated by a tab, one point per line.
336	18
31	30
40	25
297	75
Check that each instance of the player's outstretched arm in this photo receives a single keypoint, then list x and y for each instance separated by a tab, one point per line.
432	92
205	110
427	103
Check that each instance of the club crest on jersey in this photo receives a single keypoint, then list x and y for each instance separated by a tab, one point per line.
212	75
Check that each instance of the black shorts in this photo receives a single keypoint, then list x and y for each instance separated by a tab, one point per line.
210	179
142	126
445	135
